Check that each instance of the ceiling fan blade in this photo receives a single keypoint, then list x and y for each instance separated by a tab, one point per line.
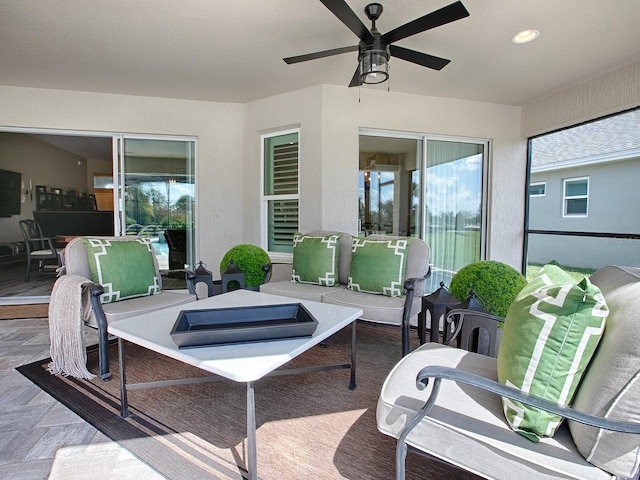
355	80
419	58
325	53
347	16
450	13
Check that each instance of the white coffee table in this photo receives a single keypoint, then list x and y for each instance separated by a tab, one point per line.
240	362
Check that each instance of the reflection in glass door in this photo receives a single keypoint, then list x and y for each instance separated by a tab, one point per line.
388	185
156	185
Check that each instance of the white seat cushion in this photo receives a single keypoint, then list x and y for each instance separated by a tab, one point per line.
466	426
303	291
375	308
137	306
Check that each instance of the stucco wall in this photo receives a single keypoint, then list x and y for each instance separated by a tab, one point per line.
228	169
343	115
608	93
330	118
301	109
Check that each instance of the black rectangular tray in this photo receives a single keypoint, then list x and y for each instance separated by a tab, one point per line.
242	324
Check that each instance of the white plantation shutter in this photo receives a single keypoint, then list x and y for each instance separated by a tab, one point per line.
283	218
281	155
285	169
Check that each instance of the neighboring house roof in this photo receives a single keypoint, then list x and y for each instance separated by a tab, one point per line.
588	143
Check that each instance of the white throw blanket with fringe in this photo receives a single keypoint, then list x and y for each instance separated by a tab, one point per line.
69	307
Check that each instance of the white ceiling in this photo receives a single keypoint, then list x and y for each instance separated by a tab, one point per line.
231	51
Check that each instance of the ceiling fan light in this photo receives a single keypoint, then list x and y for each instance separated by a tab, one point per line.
374	66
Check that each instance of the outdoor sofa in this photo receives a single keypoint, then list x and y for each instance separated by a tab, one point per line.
400	311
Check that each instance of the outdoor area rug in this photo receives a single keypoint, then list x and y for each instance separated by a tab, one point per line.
309	426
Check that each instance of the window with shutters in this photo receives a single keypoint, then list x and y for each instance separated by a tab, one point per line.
280	196
576	197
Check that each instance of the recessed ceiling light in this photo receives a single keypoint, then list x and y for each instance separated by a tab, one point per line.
526	36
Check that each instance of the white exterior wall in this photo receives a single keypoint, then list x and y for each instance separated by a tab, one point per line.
608	93
343	115
330	118
228	169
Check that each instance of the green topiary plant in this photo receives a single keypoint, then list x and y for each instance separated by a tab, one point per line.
495	284
249	259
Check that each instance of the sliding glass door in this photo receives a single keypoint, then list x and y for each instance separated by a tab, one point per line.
155	185
429	187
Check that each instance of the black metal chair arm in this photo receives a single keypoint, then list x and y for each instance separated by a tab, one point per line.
190	275
438	373
267	269
409	283
95	289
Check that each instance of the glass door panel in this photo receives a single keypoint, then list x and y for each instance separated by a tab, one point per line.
157	196
453	206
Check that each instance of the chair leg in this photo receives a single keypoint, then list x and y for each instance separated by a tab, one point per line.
28	268
103	353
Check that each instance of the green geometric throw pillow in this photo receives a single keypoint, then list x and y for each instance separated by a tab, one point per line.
316	259
378	266
125	268
549	336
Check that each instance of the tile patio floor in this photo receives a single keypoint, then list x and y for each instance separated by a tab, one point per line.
39	437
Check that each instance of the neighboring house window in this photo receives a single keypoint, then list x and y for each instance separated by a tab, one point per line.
576	197
280	194
538	189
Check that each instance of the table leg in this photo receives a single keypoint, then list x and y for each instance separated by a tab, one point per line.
124	403
252	460
352	381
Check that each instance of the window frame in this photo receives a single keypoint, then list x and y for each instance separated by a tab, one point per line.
566	198
265	198
544	189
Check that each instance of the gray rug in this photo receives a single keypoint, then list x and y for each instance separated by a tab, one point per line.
308	426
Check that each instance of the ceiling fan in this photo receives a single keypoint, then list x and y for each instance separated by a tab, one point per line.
375	49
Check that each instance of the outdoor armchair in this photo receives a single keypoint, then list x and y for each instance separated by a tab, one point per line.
447	403
102	314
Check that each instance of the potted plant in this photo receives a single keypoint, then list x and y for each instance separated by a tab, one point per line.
249	259
495	285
